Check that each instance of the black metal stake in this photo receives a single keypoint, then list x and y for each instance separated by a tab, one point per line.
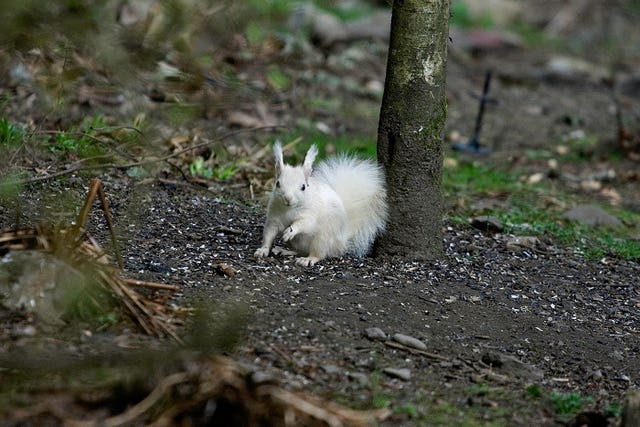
474	146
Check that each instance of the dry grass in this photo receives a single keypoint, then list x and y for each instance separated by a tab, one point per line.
80	252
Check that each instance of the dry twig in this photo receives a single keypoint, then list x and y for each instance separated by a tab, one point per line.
223	381
78	166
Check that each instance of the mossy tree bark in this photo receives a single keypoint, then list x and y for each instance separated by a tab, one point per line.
411	128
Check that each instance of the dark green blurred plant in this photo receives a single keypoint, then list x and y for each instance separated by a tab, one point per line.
10	187
569	403
614	409
197	168
534	391
85	300
83	143
461	16
278	79
220	172
10	134
271	8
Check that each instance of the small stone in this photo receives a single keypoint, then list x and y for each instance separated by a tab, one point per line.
409	341
360	378
375	334
487	223
20	75
535	178
511	366
223	268
488	204
324	128
403	373
330	369
503	13
26	331
450	163
617	355
260	377
591	185
535	110
612	194
517	243
573	69
374	86
597	375
367	362
592	215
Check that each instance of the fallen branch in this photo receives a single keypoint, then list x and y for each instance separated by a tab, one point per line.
135	412
151	285
427	354
245	402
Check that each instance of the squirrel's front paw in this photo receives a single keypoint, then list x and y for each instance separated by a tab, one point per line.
288	234
262	252
307	261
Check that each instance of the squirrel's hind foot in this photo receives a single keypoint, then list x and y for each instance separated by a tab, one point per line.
261	252
309	261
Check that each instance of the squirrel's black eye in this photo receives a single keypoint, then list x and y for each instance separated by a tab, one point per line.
303	187
278	184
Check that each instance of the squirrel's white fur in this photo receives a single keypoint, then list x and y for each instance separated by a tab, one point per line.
340	207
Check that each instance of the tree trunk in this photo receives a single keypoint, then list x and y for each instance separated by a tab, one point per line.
411	128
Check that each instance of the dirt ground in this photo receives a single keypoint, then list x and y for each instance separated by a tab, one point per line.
502	330
570	323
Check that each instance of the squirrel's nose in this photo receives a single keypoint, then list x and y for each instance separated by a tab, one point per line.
286	199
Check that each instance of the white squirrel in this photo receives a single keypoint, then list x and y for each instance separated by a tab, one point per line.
338	208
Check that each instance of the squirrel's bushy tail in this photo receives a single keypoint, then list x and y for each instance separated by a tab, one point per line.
362	188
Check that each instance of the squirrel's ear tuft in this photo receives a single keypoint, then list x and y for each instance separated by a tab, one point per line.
277	151
307	166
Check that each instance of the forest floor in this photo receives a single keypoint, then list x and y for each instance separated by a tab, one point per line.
512	333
